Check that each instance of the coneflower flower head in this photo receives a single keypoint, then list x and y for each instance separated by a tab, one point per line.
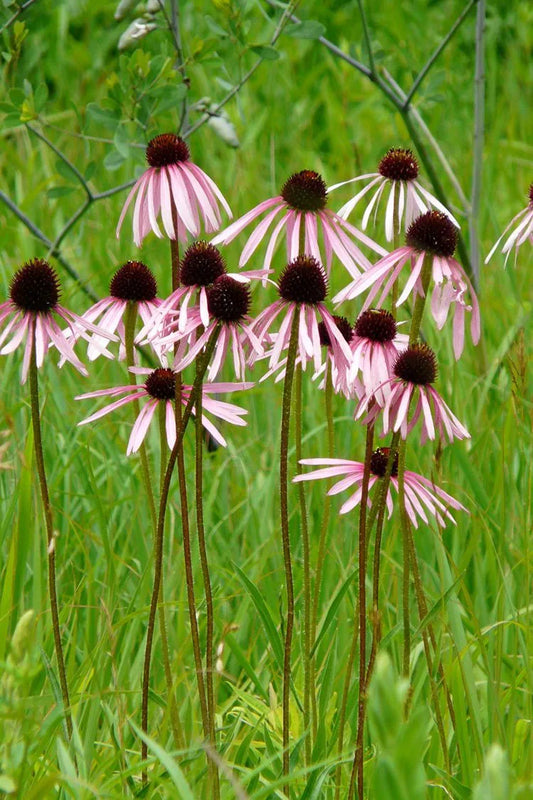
132	283
302	289
160	387
375	345
175	187
305	191
227	305
301	207
303	281
411	396
339	369
33	304
201	265
228	300
522	231
421	495
397	172
431	236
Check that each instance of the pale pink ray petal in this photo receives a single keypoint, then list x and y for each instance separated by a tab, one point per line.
170	424
140	426
138	224
28	349
153	197
208	183
373	204
258	235
229	233
416	269
436	203
20	323
107	409
389	213
125	207
354	180
273	240
198	196
348	207
166	205
182	200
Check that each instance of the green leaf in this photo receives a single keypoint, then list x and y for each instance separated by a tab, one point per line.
104	117
265	52
113	160
264	612
59	191
64	170
169	97
175	773
310	29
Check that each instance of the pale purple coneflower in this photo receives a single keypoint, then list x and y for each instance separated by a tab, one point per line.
410	397
228	303
522	229
419	491
407	198
432	236
31	313
302	205
302	288
160	387
131	283
174	187
375	346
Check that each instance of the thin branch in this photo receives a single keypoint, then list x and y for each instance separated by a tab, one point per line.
366	34
20	10
63	158
431	60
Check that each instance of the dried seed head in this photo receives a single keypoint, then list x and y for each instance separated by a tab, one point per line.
165	149
303	281
398	165
35	287
433	232
201	265
133	281
305	191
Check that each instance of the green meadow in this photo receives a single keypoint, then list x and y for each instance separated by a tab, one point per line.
76	114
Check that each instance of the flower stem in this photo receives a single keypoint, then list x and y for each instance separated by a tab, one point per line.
182	420
358	760
406	558
50	535
420	301
209	671
306	566
328	396
285	536
129	336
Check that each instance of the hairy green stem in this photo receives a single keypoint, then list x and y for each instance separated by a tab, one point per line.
209	667
285	536
50	535
320	561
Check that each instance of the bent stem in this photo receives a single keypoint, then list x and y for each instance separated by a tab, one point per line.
285	536
50	536
209	672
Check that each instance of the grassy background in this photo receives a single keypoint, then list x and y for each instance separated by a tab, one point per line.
307	109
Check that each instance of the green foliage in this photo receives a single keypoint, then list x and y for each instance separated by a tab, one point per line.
301	107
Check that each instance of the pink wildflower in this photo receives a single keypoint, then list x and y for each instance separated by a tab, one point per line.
33	307
520	233
419	491
302	205
397	173
160	387
413	373
375	345
176	188
433	236
302	288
